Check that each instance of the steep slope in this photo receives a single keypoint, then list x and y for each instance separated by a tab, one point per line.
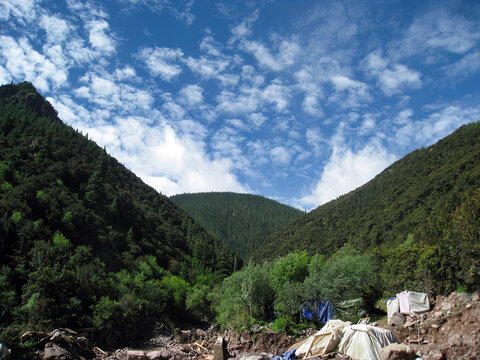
427	183
242	221
83	241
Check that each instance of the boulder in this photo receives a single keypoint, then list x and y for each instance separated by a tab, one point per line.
397	352
397	319
55	352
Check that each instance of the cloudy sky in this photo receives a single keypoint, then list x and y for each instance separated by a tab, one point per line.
300	101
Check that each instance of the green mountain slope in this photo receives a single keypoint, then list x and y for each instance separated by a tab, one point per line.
242	221
83	241
427	184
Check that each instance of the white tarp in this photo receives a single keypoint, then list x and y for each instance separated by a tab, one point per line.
361	342
413	302
364	342
332	334
392	308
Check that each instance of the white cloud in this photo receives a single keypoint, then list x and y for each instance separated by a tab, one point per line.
257	119
243	29
277	94
25	63
206	67
127	72
280	155
191	95
348	92
437	125
5	77
105	92
251	76
285	55
57	29
210	46
306	83
468	65
162	61
439	29
99	38
19	9
393	78
246	102
345	171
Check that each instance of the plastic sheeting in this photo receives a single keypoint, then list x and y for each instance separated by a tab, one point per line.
322	313
413	302
392	308
323	344
364	342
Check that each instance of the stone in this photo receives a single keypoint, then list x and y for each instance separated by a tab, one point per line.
155	355
397	352
397	319
136	355
251	357
435	326
409	324
55	352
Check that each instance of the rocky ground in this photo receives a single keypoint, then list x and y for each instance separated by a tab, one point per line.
451	330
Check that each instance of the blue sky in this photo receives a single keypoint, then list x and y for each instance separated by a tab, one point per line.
300	101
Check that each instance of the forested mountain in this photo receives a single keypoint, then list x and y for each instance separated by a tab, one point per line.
242	221
415	226
414	194
83	241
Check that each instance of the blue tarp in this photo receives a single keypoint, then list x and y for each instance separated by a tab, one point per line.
322	312
287	356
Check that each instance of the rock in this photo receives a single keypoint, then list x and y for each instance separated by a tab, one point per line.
397	319
251	357
437	314
155	355
409	323
435	356
185	335
56	352
136	355
435	326
397	352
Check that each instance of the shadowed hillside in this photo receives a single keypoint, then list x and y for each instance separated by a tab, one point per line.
83	241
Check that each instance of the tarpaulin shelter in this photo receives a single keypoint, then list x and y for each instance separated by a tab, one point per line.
322	312
357	341
407	302
324	341
364	342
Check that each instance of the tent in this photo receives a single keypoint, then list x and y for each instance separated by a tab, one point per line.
364	342
324	341
407	302
357	341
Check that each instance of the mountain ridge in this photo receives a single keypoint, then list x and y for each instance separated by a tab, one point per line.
427	182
